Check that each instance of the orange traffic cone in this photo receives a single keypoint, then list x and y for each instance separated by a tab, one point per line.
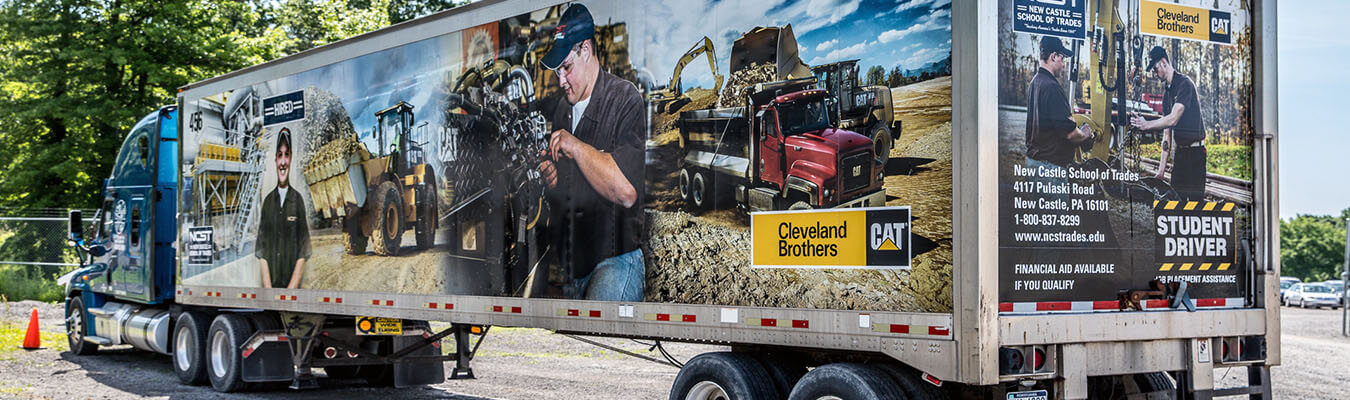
32	340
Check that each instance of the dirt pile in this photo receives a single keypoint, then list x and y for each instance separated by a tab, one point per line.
754	74
332	158
325	120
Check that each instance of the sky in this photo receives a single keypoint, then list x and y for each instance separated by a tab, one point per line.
908	33
1314	80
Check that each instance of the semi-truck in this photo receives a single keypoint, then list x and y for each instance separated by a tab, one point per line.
980	274
780	151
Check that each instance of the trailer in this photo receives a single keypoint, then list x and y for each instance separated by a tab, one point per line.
985	272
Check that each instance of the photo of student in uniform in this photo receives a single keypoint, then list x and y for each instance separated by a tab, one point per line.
1183	128
1052	137
283	234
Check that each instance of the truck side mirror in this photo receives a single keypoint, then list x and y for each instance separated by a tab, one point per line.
76	229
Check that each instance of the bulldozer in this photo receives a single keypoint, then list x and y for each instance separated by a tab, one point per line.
376	196
672	97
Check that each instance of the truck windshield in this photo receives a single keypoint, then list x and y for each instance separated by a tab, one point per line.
802	117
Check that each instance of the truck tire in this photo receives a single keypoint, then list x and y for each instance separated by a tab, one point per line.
1121	387
912	383
686	179
722	375
882	142
353	241
189	347
426	217
846	381
700	187
227	334
388	233
785	372
77	326
800	205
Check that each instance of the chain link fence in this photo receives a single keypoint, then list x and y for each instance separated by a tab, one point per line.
34	252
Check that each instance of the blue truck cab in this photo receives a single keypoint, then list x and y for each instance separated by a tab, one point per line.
128	255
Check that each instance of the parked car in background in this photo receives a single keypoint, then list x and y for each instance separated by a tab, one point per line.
1337	286
1306	295
1287	282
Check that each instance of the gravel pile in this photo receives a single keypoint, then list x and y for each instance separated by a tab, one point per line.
754	74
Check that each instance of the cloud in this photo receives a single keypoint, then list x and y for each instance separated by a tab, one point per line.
842	54
916	4
940	19
826	45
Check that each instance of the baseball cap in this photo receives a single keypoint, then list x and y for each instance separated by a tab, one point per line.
1053	44
1155	54
574	26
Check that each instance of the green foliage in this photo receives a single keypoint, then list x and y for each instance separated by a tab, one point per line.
24	282
876	75
1224	159
1312	247
76	75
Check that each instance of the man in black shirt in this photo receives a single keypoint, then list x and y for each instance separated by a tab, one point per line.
1183	127
594	168
1051	134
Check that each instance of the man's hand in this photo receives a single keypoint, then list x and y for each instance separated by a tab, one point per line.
1087	131
1137	121
561	144
549	172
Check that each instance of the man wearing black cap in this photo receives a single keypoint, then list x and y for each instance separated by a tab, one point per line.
1183	126
1051	134
594	168
283	233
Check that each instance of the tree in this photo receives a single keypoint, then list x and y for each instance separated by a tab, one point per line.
896	77
1313	247
403	10
876	75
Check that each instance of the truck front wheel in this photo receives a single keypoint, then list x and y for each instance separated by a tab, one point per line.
686	179
189	340
228	333
426	218
389	221
77	326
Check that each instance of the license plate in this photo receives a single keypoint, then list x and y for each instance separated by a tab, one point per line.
378	326
857	170
1029	395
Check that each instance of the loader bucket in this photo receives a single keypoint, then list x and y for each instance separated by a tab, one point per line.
769	45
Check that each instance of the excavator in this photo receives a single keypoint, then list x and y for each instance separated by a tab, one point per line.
672	97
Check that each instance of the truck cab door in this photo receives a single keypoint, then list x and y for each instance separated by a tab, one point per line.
131	187
770	149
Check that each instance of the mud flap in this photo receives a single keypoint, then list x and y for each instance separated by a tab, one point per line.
270	362
418	373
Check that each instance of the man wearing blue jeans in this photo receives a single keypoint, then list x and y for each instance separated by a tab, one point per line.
594	169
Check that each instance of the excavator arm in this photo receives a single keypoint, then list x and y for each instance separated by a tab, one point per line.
673	92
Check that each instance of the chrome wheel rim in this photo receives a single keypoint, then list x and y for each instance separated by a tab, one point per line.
707	390
218	350
75	326
180	349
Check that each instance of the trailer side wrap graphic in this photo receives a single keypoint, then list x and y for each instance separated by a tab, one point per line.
1126	154
602	150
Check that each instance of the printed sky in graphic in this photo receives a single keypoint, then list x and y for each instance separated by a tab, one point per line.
908	33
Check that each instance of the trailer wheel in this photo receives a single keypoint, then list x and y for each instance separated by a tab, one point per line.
353	241
785	372
882	142
910	382
77	326
699	189
228	332
1121	387
189	344
389	220
846	381
722	375
684	185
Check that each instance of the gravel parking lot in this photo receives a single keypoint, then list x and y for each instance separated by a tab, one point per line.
537	364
